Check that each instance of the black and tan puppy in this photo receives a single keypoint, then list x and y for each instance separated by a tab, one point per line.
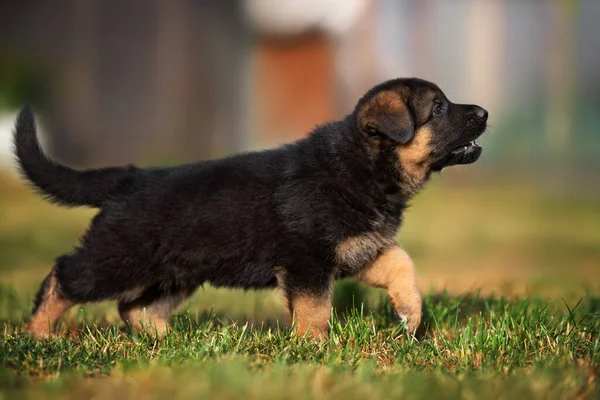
297	217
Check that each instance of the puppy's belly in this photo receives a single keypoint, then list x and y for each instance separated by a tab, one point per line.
231	272
251	276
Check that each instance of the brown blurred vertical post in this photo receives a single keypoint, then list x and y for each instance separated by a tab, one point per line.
293	86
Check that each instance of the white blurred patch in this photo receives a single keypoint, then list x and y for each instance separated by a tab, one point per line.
291	17
7	123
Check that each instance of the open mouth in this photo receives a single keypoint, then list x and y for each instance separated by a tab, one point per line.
465	154
470	148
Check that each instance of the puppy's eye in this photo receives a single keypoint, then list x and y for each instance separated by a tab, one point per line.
437	111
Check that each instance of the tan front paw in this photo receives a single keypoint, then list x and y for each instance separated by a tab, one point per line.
409	309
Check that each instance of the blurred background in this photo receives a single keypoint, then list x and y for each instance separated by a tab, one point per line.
158	82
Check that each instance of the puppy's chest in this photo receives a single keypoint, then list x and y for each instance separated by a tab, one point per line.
354	253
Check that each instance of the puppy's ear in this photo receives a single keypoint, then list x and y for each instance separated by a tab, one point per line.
387	114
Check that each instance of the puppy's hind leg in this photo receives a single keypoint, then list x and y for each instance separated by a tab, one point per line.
50	304
153	307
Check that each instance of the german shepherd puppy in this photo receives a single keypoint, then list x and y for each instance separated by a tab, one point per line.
297	217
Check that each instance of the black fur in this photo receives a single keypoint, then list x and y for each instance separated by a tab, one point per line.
232	222
61	184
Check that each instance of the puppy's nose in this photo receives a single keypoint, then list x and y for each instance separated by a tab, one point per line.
481	113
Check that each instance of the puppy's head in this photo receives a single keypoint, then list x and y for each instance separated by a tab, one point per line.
427	131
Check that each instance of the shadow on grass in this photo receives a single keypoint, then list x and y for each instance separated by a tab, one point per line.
352	298
351	301
445	309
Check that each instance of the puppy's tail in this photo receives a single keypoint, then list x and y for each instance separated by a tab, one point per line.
61	184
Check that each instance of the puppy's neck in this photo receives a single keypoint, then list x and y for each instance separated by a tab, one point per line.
412	178
374	169
396	168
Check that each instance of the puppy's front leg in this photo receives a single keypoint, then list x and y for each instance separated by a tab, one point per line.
394	271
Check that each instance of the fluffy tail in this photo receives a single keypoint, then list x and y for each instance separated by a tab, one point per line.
61	184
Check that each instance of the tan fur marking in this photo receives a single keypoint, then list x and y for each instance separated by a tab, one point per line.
355	252
311	314
394	271
280	276
384	103
51	308
152	317
388	102
144	318
132	294
414	158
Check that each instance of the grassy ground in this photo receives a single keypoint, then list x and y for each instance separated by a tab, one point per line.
512	310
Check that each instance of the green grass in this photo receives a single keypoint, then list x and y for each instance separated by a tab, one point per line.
512	310
523	346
